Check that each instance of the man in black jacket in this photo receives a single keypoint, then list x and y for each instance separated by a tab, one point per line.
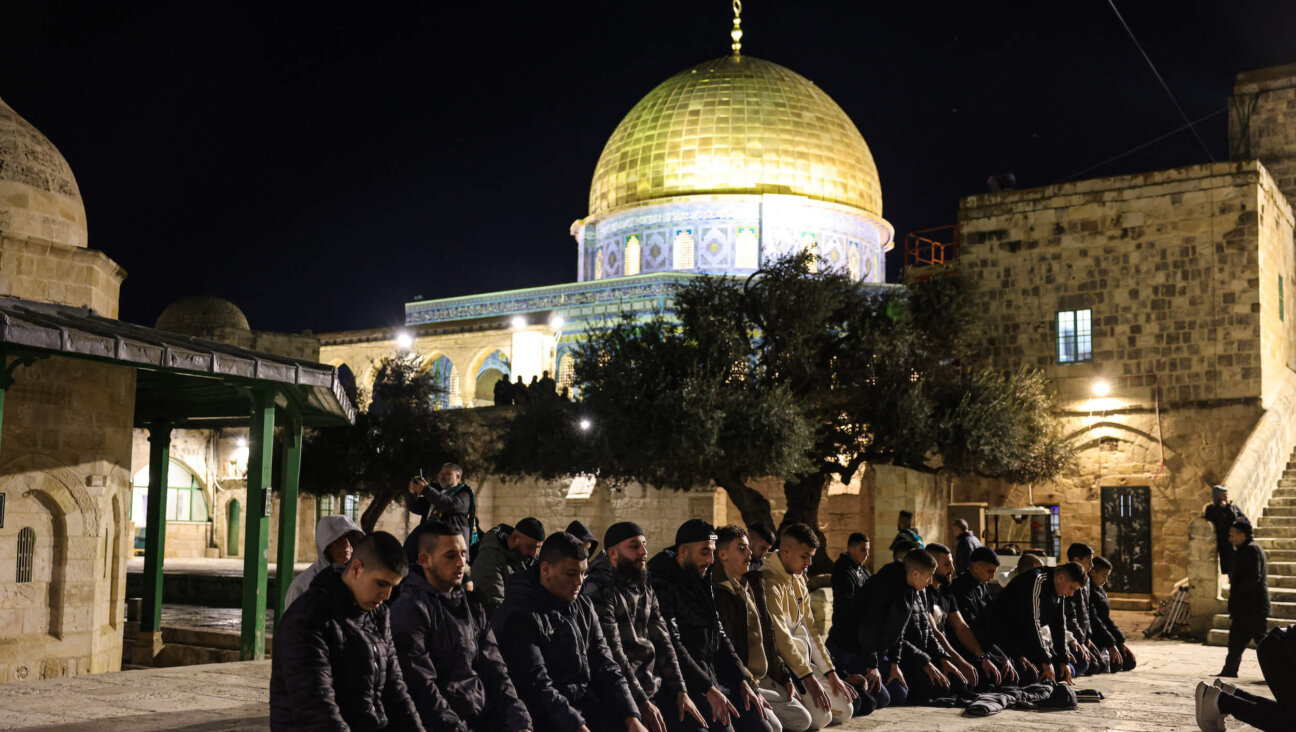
716	678
849	576
972	596
952	677
1028	621
447	650
1222	513
964	543
636	633
450	501
334	665
1106	634
1248	602
891	599
552	641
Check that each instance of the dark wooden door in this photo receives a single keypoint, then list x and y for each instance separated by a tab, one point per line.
1127	537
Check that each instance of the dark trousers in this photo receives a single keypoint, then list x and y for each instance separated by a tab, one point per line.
849	662
1226	554
1279	668
1242	630
748	720
598	714
669	708
922	689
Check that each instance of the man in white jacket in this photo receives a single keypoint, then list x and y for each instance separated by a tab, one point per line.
334	538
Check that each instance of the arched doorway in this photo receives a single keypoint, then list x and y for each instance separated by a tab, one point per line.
232	528
493	369
185	502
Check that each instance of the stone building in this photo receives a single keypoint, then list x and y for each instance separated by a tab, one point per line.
76	381
1158	304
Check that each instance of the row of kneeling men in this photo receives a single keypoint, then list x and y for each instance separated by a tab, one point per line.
706	635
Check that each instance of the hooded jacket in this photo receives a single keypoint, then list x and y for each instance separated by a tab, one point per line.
449	658
788	600
706	656
494	564
334	665
732	609
556	654
1029	618
582	532
848	579
635	631
328	530
889	605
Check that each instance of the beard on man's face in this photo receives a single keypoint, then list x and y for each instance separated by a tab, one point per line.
940	581
631	569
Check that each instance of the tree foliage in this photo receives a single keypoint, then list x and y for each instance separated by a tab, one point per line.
400	432
799	374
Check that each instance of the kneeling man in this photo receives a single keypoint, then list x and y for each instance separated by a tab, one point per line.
446	647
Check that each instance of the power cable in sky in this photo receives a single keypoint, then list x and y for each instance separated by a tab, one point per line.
1164	85
1151	142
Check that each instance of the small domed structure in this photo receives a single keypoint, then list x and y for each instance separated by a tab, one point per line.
39	197
203	316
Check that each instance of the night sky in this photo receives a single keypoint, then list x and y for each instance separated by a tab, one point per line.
320	164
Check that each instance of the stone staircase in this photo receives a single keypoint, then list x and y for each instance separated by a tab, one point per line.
1276	534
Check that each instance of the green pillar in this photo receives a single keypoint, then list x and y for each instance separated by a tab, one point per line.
287	515
256	529
155	520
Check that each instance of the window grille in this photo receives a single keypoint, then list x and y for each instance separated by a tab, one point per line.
351	507
26	553
632	255
682	255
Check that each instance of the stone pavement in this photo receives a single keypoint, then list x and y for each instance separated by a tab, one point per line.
1156	696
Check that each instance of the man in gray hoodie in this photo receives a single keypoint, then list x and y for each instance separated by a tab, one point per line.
334	538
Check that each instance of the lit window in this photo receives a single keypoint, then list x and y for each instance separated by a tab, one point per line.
1074	336
185	500
853	260
810	243
566	372
26	554
351	507
684	249
632	255
747	248
598	264
325	506
1281	298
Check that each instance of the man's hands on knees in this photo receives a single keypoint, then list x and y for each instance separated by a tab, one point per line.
721	709
652	717
937	678
634	725
840	687
872	680
991	673
687	708
897	675
817	693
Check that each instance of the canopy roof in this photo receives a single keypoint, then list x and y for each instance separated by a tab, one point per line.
186	381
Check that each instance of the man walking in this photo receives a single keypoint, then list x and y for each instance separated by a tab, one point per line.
334	663
447	650
503	552
636	632
552	641
1248	602
717	680
964	543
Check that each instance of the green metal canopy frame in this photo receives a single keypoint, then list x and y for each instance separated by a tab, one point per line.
184	382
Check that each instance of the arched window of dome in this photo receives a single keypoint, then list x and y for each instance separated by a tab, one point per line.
683	252
747	248
853	260
810	244
566	372
185	499
632	255
446	377
598	263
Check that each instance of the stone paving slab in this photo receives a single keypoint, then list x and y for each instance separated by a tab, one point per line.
234	696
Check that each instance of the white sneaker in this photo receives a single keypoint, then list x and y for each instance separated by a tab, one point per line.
1209	718
1225	687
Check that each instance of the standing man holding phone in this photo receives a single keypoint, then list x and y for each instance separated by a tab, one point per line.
450	501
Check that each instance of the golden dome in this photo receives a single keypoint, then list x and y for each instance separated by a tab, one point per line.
736	125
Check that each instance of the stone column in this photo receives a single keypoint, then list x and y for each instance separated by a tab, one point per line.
1204	578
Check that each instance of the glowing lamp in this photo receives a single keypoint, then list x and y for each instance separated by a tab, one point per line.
518	322
404	341
1101	388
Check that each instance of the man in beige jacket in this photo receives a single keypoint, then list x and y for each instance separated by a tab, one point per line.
829	699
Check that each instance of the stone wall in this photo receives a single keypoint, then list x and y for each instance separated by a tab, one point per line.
1262	122
1180	269
63	274
65	473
